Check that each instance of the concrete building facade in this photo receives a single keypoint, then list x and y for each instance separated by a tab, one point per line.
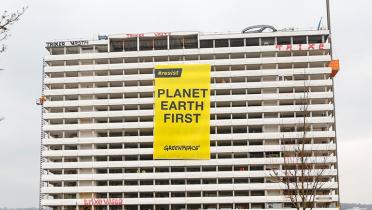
97	131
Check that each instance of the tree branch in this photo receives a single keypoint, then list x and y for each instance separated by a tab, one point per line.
6	20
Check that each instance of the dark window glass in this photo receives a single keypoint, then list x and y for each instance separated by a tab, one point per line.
206	43
160	43
221	43
284	40
117	46
176	42
146	44
190	42
252	42
267	41
236	42
257	193
256	168
315	39
130	44
299	40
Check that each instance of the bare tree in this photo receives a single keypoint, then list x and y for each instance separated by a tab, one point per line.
1	118
7	19
303	173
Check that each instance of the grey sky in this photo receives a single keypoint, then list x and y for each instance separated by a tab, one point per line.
20	84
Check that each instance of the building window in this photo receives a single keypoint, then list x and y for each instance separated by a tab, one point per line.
183	42
161	43
236	42
299	40
190	42
252	42
267	41
315	39
130	44
116	46
176	42
72	50
206	43
284	40
146	44
221	43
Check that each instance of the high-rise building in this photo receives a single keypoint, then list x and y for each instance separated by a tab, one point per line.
98	111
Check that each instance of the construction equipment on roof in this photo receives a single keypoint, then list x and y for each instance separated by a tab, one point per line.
258	29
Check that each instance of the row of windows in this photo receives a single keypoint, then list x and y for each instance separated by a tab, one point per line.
219	92
176	194
148	106
225	80
263	41
194	57
234	129
233	104
149	157
146	157
213	143
154	43
211	206
209	168
213	69
182	182
238	129
185	42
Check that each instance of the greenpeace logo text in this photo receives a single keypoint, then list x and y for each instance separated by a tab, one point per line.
181	147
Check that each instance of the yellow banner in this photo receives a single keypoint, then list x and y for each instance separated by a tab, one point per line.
182	111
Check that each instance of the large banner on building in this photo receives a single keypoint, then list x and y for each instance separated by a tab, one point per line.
182	111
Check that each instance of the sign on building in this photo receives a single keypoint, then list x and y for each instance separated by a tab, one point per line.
182	111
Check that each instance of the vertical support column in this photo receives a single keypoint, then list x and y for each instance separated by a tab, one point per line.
138	43
108	45
329	26
168	43
328	9
41	138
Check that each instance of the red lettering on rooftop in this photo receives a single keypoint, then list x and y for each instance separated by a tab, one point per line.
290	47
162	33
103	201
135	35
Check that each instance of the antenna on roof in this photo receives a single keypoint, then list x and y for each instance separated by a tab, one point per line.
320	23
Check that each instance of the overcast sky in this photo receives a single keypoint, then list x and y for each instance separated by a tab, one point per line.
20	83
